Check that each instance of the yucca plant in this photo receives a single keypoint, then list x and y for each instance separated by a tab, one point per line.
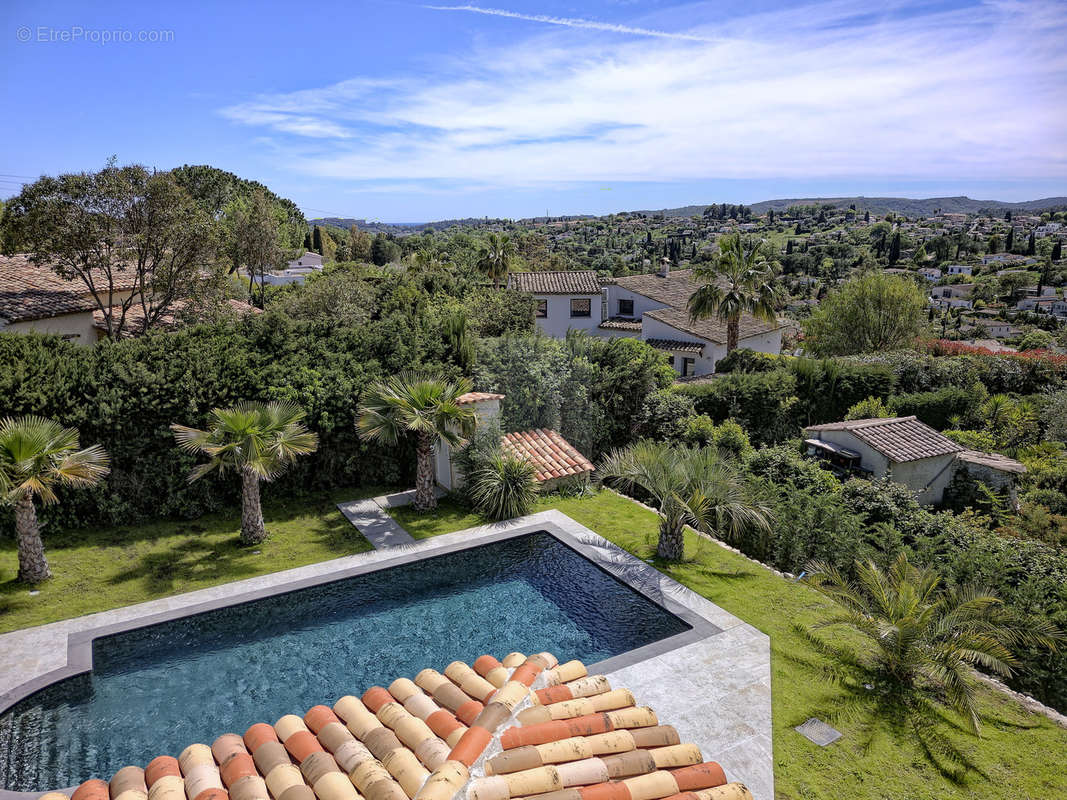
424	406
918	645
689	486
36	455
503	487
256	440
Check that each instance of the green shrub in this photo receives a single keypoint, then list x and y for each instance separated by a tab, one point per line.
937	409
731	439
764	403
870	408
502	488
744	360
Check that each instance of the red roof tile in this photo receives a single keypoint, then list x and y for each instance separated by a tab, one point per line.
551	455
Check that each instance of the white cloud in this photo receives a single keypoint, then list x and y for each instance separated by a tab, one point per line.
831	89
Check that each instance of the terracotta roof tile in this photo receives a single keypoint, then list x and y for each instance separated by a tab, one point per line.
551	455
433	732
574	282
29	291
474	397
900	439
621	324
712	329
676	345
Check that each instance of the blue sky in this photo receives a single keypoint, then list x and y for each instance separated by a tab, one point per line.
407	111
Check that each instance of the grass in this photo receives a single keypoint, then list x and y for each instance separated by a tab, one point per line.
98	569
1019	753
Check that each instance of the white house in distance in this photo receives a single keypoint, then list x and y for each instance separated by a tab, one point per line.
295	271
651	307
555	460
959	269
907	451
563	301
955	296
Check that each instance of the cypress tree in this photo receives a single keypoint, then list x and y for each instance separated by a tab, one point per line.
1057	250
307	241
1031	244
789	247
894	249
1010	244
867	217
316	240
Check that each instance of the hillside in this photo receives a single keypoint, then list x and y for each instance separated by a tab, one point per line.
876	205
884	205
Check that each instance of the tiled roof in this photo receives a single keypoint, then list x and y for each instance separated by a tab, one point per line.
993	461
29	291
621	324
899	439
521	727
474	397
711	329
676	345
673	290
551	454
135	316
575	282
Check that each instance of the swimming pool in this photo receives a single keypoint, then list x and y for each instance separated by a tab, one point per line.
159	688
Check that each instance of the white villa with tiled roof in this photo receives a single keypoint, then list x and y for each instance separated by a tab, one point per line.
652	307
906	451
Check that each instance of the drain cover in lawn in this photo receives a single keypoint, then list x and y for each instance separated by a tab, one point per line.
819	732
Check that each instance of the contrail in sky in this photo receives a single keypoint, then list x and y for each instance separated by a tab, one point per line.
569	22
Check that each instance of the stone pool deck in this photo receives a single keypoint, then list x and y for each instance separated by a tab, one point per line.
713	682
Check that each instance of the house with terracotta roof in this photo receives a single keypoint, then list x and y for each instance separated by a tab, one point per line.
906	451
652	307
658	304
555	460
563	301
33	299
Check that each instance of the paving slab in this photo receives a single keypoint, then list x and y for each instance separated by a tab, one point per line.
375	523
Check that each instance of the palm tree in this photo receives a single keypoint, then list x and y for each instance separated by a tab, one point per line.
741	280
35	455
690	487
919	643
256	440
494	257
426	406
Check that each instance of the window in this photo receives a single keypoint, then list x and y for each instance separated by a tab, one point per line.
626	308
541	309
581	307
688	366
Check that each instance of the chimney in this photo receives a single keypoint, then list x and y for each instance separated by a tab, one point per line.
664	267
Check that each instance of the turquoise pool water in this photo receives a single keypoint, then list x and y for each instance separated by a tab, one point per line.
157	689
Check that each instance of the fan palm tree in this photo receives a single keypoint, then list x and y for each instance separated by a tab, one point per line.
425	406
36	454
690	487
919	643
740	281
494	257
256	440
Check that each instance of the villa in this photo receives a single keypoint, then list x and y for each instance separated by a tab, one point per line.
906	451
652	307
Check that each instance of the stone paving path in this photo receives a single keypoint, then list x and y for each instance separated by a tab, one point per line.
371	519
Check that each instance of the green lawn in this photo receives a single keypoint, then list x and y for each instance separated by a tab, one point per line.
1021	754
100	569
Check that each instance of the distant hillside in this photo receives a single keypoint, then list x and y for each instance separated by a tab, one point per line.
885	205
347	222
